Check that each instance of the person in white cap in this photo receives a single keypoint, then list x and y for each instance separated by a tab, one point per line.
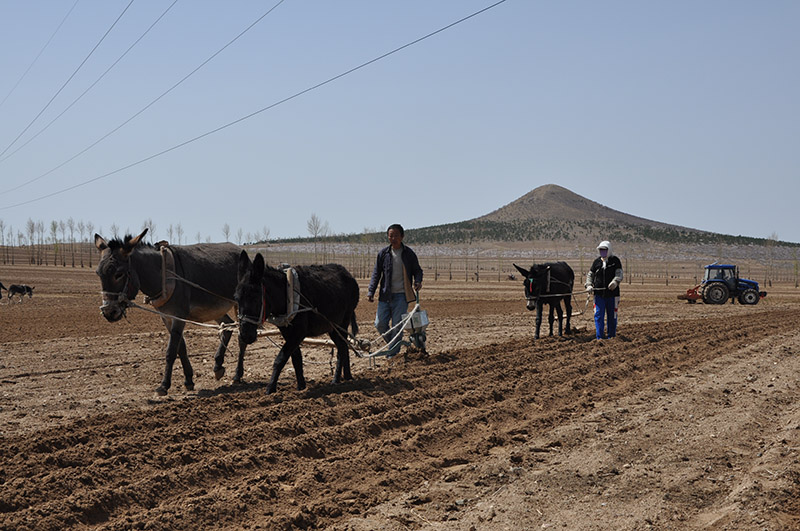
603	279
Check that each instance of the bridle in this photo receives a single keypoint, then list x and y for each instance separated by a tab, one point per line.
122	298
530	286
256	321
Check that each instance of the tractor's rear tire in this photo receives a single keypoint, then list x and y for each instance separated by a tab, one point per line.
749	296
716	293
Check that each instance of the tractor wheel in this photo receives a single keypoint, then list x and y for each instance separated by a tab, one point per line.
749	296
716	293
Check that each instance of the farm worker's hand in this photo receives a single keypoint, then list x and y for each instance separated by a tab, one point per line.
588	287
417	286
371	297
613	285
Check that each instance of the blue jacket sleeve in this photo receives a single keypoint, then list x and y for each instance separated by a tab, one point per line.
376	276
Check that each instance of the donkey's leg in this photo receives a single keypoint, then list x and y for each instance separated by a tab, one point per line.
297	363
219	357
237	378
188	373
538	318
280	360
560	313
342	359
175	328
551	318
568	311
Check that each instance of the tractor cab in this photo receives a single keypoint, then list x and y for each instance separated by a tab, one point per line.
729	274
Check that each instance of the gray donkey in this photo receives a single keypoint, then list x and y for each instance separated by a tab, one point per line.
191	282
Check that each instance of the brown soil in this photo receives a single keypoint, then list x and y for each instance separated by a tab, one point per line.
689	419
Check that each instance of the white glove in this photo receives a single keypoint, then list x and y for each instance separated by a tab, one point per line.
613	285
588	286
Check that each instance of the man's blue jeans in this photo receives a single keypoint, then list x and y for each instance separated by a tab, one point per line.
391	310
605	307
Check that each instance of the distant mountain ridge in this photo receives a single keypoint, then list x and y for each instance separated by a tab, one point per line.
551	201
551	212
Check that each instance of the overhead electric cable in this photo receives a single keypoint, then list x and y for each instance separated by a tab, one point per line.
173	87
255	113
89	88
35	59
68	79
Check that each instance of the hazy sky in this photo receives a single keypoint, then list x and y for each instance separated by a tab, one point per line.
683	112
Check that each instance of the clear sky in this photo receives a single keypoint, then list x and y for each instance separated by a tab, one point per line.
683	112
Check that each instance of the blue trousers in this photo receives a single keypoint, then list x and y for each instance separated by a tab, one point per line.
391	310
605	308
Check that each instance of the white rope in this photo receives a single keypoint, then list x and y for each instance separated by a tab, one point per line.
357	347
381	351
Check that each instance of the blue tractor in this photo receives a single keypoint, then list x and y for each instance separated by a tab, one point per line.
720	283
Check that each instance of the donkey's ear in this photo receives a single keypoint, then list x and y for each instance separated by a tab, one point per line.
131	244
523	272
258	268
100	243
135	241
244	263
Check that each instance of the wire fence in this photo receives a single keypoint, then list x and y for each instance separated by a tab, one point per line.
474	264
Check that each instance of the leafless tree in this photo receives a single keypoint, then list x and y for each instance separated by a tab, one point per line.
239	236
170	232
42	255
71	227
226	232
54	240
315	227
771	242
30	226
179	233
81	231
62	228
114	230
89	232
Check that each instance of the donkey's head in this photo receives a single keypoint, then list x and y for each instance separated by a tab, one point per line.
249	297
119	281
535	283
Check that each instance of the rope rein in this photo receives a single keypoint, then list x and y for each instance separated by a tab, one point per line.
361	347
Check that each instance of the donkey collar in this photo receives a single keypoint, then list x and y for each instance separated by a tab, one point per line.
292	300
167	283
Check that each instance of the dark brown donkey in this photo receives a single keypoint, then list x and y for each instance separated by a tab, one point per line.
326	297
190	282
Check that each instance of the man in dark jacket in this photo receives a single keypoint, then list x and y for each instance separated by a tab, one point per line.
603	280
397	271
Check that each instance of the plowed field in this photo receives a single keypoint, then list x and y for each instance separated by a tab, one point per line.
689	419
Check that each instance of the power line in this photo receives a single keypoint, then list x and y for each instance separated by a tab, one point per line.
68	79
255	113
173	87
87	90
39	54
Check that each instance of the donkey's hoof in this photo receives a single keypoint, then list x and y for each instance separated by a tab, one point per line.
161	391
189	386
219	372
